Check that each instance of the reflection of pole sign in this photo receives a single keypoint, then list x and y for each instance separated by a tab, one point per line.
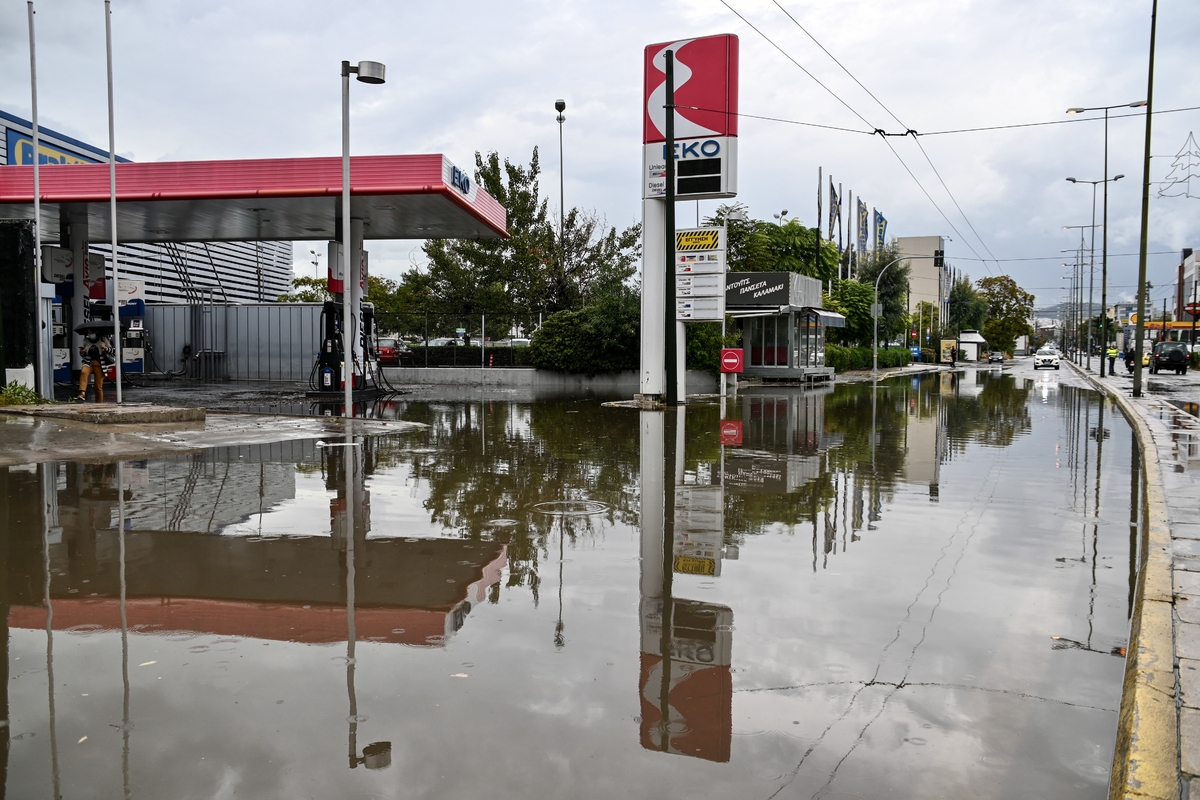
731	432
706	88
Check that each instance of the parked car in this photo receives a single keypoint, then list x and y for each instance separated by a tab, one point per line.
995	357
1045	358
1169	355
445	341
518	342
387	351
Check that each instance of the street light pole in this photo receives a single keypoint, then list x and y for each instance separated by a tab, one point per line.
560	106
367	72
875	311
1092	267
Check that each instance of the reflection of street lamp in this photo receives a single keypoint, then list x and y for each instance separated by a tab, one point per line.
367	72
376	755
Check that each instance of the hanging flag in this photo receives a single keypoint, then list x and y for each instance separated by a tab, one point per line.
835	210
863	220
880	231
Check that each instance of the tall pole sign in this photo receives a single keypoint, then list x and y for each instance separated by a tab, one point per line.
689	138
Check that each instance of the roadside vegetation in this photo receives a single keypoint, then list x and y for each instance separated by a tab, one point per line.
14	394
577	295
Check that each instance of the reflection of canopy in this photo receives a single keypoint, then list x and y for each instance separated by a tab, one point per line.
290	590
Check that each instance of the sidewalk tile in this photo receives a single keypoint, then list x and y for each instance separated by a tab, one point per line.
1187	584
1188	610
1187	641
1185	530
1189	740
1189	682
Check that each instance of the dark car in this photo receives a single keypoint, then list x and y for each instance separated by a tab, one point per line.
995	357
1169	355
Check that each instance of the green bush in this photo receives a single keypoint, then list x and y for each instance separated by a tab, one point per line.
601	337
17	395
848	358
928	356
704	345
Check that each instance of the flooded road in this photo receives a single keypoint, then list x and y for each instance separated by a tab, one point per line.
919	589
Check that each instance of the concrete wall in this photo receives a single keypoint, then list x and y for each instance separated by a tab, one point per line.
536	381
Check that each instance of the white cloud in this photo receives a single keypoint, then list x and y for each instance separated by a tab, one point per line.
258	78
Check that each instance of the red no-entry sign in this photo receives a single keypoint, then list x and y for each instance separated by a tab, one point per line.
731	432
1192	308
732	359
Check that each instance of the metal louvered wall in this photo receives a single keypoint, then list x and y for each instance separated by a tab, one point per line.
254	342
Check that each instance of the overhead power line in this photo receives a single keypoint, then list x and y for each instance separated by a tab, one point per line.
883	134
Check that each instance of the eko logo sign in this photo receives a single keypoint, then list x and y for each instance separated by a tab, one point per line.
460	180
706	88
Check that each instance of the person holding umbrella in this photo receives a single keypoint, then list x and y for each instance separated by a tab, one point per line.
95	352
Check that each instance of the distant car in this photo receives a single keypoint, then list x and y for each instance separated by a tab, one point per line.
1170	355
445	341
387	351
518	343
1045	358
995	357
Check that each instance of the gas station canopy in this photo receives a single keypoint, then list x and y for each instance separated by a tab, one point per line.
397	197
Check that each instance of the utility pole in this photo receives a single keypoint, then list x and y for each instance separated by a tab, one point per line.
1141	312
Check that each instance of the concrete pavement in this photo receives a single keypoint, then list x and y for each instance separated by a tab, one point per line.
1158	745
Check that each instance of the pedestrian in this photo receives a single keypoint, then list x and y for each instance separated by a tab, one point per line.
1112	358
95	354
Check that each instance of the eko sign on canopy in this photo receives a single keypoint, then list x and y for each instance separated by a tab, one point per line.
706	123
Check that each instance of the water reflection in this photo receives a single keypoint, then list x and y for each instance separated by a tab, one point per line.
876	546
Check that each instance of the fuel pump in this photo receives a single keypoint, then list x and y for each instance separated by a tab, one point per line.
331	361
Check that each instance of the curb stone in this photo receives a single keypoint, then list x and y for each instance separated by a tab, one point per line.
1146	759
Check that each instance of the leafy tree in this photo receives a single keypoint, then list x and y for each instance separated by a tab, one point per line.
307	290
601	337
533	270
758	246
1009	309
852	299
893	288
966	308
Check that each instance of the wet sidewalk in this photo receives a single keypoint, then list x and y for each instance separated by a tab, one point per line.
1160	729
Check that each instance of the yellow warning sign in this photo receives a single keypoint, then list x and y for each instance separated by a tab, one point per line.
705	239
691	565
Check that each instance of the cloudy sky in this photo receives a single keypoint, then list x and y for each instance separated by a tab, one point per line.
257	78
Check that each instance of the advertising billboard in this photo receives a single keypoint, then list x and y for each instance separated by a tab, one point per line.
705	117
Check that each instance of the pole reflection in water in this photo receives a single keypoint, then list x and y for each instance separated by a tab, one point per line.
46	532
686	686
376	755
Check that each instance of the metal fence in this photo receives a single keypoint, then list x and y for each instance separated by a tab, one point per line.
217	342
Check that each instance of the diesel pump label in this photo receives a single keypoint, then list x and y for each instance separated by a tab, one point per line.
691	241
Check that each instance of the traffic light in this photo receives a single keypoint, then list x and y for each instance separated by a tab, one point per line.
939	258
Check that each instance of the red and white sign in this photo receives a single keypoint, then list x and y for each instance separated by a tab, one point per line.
706	122
733	359
1192	308
731	432
706	86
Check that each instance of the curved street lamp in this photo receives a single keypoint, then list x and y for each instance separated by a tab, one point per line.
1092	268
875	309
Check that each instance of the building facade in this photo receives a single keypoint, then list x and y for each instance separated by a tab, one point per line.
926	283
233	272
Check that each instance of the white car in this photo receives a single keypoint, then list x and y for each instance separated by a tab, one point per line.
1045	358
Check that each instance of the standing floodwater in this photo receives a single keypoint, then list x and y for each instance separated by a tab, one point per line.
918	589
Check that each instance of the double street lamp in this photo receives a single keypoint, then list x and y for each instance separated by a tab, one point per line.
1092	269
1104	236
1079	289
